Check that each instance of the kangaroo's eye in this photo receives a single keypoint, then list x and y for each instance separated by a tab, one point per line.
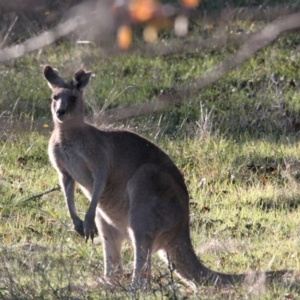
55	97
73	99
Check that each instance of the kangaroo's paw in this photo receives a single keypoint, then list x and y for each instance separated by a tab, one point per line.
89	229
78	226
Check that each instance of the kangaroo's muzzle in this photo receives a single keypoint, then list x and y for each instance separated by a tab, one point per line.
61	112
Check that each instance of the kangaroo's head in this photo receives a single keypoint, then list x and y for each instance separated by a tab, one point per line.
67	97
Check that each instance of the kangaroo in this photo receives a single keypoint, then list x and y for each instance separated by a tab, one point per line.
136	192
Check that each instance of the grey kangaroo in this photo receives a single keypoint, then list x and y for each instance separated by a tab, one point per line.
135	190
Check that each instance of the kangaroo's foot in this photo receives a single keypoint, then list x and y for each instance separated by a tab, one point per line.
112	283
141	282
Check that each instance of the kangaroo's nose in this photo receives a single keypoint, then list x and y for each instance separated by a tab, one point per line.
60	112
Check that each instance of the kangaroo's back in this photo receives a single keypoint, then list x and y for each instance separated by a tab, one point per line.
130	151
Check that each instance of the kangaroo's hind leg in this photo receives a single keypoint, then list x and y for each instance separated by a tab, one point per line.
154	213
142	234
111	241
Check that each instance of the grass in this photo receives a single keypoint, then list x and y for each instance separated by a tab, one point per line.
236	143
242	217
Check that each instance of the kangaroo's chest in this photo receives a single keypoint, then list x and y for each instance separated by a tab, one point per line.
68	159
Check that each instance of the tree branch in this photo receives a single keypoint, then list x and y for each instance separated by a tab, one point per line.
39	41
255	43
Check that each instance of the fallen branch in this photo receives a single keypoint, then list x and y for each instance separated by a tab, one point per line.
255	43
39	195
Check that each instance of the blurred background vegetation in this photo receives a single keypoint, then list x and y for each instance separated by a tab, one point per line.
147	71
236	140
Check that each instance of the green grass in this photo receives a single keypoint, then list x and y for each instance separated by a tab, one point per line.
245	216
236	142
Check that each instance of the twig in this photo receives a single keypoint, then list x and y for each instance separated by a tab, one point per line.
171	268
8	31
56	188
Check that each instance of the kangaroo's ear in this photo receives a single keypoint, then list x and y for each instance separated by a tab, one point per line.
81	79
52	78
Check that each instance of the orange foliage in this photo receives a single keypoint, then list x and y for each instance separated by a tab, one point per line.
124	37
150	12
142	10
190	3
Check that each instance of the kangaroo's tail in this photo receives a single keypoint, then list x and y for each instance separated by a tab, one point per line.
192	271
